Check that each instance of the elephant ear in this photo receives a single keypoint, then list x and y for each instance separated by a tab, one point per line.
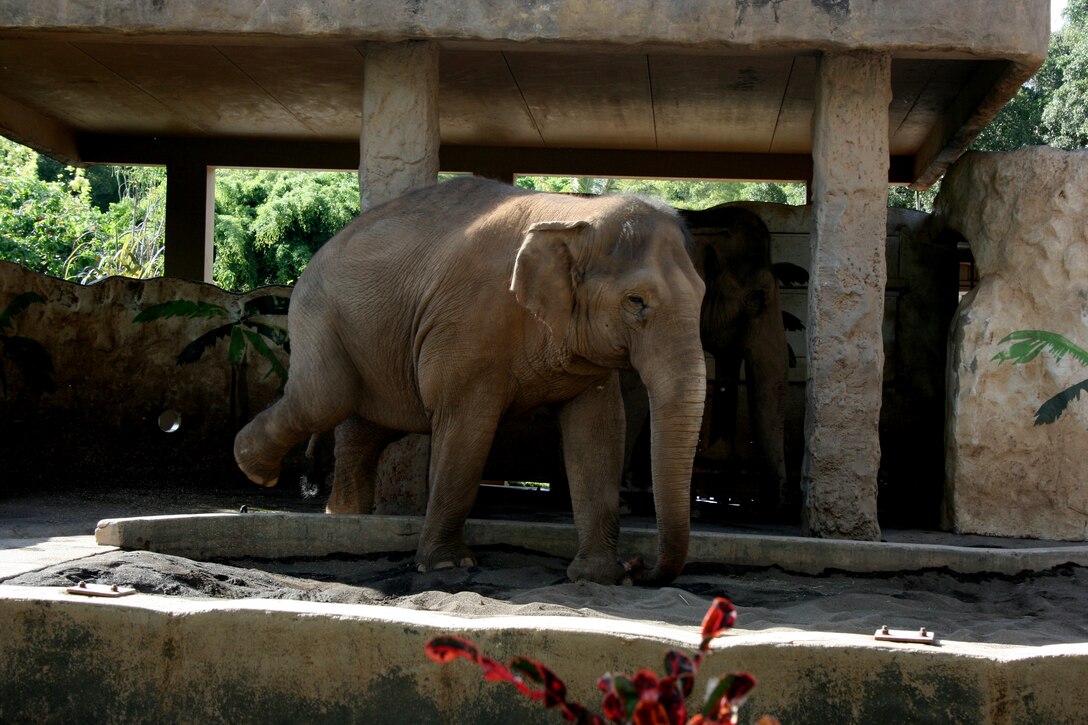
543	280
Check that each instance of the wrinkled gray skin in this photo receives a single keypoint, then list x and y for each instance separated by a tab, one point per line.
740	323
462	304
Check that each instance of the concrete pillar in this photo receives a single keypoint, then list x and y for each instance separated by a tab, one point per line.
846	296
398	152
399	141
190	220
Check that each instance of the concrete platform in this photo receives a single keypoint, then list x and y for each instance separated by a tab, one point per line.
271	535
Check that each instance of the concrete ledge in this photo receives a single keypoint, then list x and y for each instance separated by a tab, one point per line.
1009	29
276	535
149	658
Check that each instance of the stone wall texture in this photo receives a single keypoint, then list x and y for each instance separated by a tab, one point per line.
114	377
1025	215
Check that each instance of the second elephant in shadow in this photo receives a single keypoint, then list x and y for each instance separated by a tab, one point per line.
742	323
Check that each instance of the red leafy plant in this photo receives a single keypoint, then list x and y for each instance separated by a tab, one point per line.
645	699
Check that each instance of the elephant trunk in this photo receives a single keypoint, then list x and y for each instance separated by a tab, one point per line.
677	393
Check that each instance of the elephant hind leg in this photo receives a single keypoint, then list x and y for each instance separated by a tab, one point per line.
359	444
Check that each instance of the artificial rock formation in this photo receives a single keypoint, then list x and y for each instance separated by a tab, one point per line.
1024	215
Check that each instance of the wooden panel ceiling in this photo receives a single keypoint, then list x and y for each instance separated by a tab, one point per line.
678	102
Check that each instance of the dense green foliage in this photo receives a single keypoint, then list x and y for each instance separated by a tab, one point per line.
52	225
685	194
1051	108
86	224
268	224
41	222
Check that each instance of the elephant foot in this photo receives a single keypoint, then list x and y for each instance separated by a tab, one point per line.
266	477
244	456
598	569
462	564
445	557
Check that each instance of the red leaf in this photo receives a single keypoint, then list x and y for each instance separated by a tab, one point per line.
495	671
448	648
553	691
621	687
728	694
721	616
680	666
672	699
644	681
614	707
650	712
742	684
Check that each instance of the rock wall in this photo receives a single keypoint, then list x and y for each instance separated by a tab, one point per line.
1025	216
114	377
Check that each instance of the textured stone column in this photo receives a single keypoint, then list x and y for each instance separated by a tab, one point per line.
846	296
399	152
399	140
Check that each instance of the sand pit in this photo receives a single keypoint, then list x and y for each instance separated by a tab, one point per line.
1029	609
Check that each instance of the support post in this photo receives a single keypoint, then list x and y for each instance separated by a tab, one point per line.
190	220
398	152
846	296
398	146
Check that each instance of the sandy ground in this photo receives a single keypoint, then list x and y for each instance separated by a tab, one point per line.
1030	609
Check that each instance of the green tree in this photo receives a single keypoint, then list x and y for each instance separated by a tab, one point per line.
269	223
132	237
42	222
1052	107
104	180
1065	113
676	192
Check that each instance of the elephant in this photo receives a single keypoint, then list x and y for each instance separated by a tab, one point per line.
741	321
462	304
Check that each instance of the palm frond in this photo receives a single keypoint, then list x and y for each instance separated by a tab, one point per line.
17	305
792	322
266	352
789	274
275	333
32	360
267	305
237	345
1052	409
181	308
1027	344
195	349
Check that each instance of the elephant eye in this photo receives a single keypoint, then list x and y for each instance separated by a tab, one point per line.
636	300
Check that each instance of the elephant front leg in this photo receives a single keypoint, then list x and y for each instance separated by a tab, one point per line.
592	426
459	448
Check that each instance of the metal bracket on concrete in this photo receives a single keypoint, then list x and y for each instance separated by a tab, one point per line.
920	636
100	590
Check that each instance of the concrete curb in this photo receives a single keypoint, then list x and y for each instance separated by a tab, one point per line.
146	658
276	535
